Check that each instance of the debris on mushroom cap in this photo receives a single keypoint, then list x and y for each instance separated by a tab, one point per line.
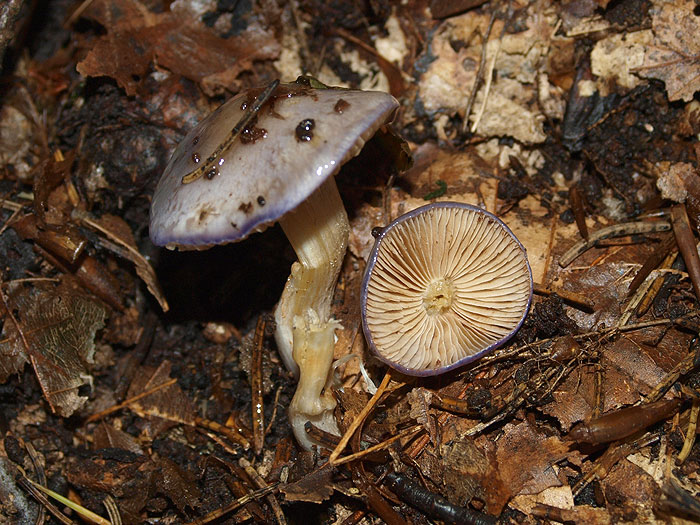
295	141
445	284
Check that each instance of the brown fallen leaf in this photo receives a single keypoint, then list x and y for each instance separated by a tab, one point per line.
419	399
674	55
168	403
106	436
117	237
53	328
177	484
137	38
131	478
527	458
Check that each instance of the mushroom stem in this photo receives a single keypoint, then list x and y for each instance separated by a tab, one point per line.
318	230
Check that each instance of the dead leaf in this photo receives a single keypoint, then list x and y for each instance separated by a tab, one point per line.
419	399
315	487
177	484
527	458
137	38
125	475
118	238
674	55
106	436
168	403
55	330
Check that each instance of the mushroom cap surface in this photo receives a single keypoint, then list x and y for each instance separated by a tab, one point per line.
445	284
298	138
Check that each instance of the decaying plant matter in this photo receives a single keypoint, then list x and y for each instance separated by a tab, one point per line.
146	384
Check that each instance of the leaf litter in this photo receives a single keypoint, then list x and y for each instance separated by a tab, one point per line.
551	116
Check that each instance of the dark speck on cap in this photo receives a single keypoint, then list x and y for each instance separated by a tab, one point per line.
304	130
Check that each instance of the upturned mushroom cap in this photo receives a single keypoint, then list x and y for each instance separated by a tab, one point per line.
299	137
445	284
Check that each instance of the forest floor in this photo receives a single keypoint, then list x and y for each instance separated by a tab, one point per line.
145	385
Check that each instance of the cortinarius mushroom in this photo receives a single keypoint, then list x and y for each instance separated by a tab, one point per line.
445	284
265	156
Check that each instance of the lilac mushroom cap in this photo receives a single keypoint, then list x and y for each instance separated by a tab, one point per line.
300	137
445	284
221	185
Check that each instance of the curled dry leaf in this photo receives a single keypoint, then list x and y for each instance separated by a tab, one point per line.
314	487
169	403
419	399
674	55
118	238
54	329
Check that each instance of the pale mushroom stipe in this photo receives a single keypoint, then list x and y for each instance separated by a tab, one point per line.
445	284
270	155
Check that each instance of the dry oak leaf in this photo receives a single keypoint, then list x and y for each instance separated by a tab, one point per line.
674	54
54	329
137	38
169	403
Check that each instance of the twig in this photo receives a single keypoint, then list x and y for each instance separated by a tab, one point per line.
256	387
236	504
41	498
479	74
575	299
279	515
617	230
379	446
489	80
274	410
209	167
221	429
653	261
690	433
126	403
686	244
360	418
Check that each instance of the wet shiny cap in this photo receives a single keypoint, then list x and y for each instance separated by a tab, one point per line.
445	284
298	138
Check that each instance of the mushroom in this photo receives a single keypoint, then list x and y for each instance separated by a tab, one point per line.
270	155
445	284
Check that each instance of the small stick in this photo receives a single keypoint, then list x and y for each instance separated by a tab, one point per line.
576	201
256	388
575	299
221	429
236	504
279	515
321	437
598	392
27	485
274	410
684	366
127	402
686	244
379	446
360	418
614	453
479	78
656	286
434	505
419	444
690	433
616	230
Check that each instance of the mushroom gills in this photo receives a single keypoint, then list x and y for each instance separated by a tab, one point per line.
445	283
